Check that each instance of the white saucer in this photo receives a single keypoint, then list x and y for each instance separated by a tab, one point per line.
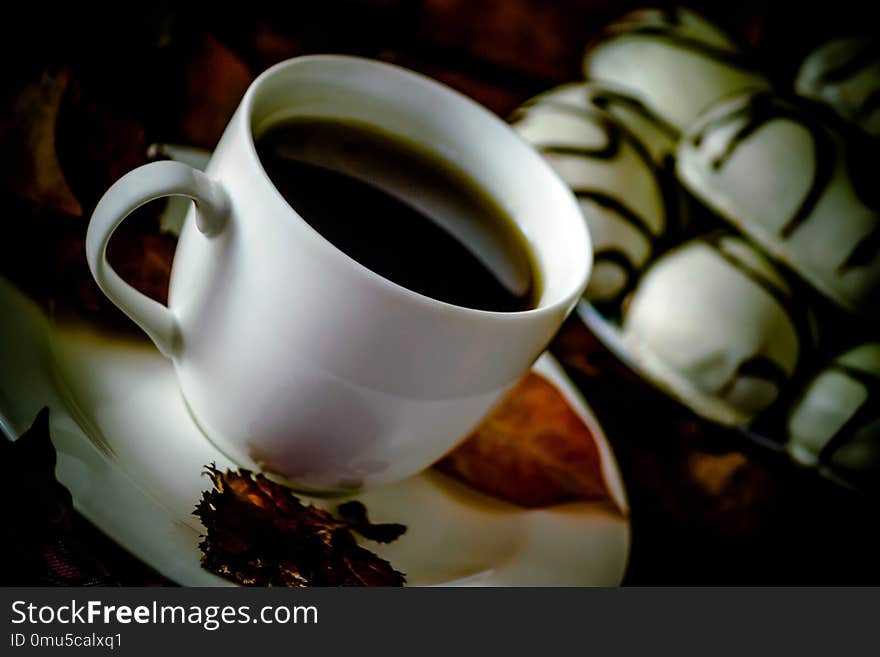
132	458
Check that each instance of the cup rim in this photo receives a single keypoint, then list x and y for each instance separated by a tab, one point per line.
565	300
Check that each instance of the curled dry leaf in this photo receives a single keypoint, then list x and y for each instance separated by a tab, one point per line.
532	450
355	514
61	147
260	534
96	143
29	165
216	80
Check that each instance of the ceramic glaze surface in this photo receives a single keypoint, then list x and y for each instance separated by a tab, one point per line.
294	358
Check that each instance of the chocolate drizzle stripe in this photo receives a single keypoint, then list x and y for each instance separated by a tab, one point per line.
797	313
617	257
630	270
614	133
731	58
870	380
716	241
864	253
870	105
605	98
672	199
823	159
861	155
757	367
606	151
867	411
760	366
671	15
627	214
759	110
859	59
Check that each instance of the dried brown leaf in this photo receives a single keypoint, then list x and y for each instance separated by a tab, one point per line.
96	143
355	514
260	534
29	166
216	80
532	450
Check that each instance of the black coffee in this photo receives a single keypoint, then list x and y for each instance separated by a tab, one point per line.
402	212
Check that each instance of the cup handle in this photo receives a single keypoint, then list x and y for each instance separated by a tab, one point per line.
147	183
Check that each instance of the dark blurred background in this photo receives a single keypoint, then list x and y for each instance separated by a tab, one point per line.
499	51
87	87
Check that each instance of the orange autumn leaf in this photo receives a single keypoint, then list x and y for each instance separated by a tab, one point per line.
532	450
29	165
216	80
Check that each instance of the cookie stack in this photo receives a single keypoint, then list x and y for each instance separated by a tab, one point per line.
735	221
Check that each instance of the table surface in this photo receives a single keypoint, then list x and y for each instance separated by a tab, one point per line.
706	507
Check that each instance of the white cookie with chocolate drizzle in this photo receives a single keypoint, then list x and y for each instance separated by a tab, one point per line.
844	74
836	420
658	137
717	326
612	176
792	185
674	61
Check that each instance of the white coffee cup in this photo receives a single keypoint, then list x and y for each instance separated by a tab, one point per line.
292	357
